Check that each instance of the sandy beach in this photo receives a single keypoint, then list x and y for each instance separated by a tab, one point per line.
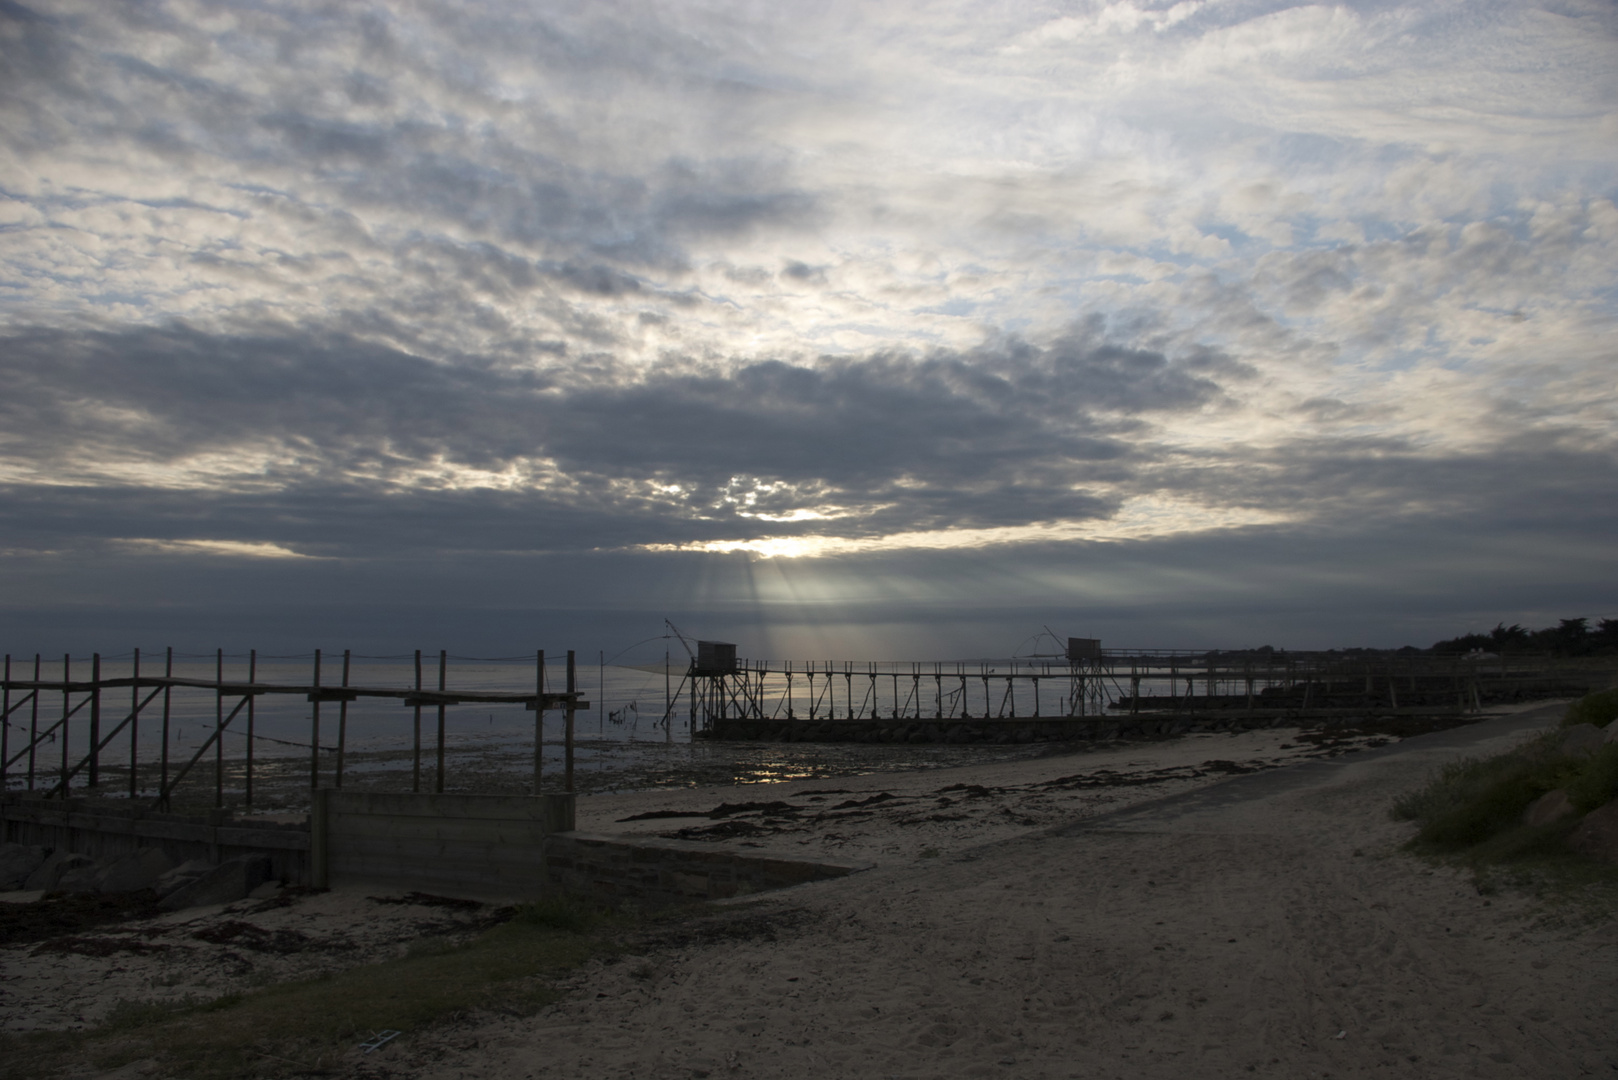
1265	925
1222	904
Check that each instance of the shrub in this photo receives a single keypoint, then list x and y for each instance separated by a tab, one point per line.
1478	799
1599	708
1474	800
1597	783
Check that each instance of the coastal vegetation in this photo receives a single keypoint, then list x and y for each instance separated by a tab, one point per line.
1519	810
1569	637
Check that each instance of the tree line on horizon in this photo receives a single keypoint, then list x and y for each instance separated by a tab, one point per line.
1570	637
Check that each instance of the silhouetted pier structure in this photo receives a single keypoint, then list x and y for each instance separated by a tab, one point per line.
54	705
1094	693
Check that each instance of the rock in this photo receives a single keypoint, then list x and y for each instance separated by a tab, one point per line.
267	891
1612	732
17	862
51	870
230	880
1581	740
134	871
181	876
1597	834
80	879
1549	807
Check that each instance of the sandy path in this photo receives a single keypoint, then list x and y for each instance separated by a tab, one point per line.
1233	930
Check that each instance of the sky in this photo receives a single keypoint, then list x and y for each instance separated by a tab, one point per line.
837	330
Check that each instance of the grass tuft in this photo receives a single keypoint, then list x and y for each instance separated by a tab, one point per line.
1599	708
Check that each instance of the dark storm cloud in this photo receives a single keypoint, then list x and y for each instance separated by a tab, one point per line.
1003	436
1013	434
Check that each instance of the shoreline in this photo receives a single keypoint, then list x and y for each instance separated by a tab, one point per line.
897	821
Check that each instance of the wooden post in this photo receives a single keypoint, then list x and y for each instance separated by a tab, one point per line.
5	732
67	663
668	701
219	729
314	731
415	781
252	678
95	720
572	688
33	725
539	717
168	673
342	723
134	724
443	665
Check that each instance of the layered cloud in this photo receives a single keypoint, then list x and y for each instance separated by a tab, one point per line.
391	280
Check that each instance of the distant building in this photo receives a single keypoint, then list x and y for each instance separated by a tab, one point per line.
1083	648
715	658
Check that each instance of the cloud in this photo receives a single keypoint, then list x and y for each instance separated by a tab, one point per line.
1010	434
234	548
409	281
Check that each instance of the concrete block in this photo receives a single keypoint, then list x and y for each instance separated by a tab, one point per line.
80	879
18	862
230	880
181	875
133	872
49	874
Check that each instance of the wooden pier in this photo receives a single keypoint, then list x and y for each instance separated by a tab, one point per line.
22	689
1096	693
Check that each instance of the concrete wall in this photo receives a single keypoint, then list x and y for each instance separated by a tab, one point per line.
486	847
104	831
658	873
483	847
